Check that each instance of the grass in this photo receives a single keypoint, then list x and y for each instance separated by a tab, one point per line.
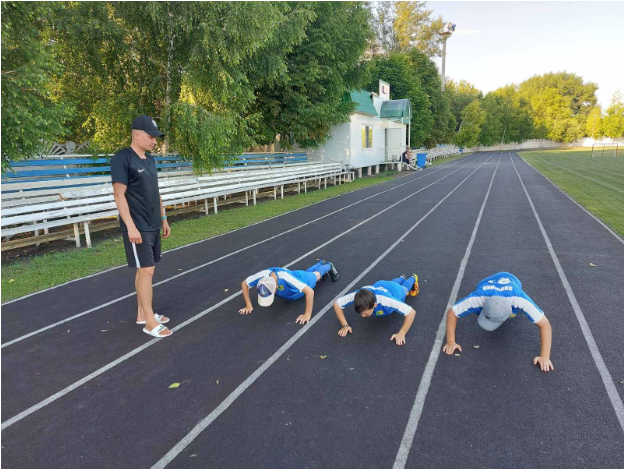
597	184
25	277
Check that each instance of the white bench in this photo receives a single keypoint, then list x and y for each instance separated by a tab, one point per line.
82	206
441	152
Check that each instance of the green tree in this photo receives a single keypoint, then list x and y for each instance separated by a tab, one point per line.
593	127
414	27
460	95
444	125
31	117
398	71
381	23
303	104
613	122
185	63
492	129
560	103
516	118
472	118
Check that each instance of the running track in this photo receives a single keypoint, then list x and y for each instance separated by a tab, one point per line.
254	391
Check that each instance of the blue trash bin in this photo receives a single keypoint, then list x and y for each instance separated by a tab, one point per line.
421	160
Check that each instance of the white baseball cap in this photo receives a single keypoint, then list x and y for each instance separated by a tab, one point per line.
266	288
495	312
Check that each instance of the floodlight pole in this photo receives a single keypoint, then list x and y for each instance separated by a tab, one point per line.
447	31
443	64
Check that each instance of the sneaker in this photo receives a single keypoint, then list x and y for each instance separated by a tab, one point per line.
416	287
334	274
324	276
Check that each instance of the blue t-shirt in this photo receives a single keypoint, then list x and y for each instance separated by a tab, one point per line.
389	298
290	283
503	285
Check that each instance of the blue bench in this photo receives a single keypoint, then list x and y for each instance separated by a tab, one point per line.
80	171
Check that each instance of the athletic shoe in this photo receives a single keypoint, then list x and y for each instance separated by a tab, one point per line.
416	287
334	274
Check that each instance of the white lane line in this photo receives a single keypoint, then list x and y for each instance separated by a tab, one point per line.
103	369
202	425
582	176
441	167
621	240
422	391
609	384
183	273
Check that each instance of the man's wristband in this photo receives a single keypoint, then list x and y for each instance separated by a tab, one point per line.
163	217
344	326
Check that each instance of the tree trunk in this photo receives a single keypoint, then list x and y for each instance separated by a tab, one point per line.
168	90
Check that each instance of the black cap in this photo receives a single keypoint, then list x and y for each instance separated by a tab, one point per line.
146	124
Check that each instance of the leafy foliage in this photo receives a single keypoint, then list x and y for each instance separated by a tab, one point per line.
414	27
31	117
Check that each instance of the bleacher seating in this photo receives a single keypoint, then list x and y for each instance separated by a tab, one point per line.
53	197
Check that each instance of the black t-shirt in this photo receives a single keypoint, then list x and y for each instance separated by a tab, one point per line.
142	193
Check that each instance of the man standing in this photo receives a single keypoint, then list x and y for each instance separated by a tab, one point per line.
136	192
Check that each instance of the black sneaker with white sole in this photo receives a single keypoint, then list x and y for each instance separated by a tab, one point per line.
334	274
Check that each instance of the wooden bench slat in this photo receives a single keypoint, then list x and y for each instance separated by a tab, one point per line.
87	205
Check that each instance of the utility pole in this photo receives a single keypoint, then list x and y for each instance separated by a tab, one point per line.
447	31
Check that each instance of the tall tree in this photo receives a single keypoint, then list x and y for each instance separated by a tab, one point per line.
613	122
492	129
516	119
593	127
31	117
414	27
304	103
398	71
472	118
461	94
382	19
444	125
185	63
560	104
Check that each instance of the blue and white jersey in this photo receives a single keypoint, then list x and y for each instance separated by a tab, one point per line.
503	285
389	298
290	283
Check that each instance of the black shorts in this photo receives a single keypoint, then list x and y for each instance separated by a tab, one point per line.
145	254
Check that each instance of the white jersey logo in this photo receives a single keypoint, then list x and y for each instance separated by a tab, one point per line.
504	280
139	171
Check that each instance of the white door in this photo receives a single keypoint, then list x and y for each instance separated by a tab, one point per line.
394	144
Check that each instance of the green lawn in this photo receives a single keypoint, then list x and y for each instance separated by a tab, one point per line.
25	277
597	184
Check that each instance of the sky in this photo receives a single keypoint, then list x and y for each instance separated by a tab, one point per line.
499	43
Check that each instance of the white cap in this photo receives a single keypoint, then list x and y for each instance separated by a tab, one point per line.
266	288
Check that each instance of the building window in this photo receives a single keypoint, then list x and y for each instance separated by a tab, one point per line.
366	137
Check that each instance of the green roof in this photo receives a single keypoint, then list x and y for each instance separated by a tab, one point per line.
396	109
364	102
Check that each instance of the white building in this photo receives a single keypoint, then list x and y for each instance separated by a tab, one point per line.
376	133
